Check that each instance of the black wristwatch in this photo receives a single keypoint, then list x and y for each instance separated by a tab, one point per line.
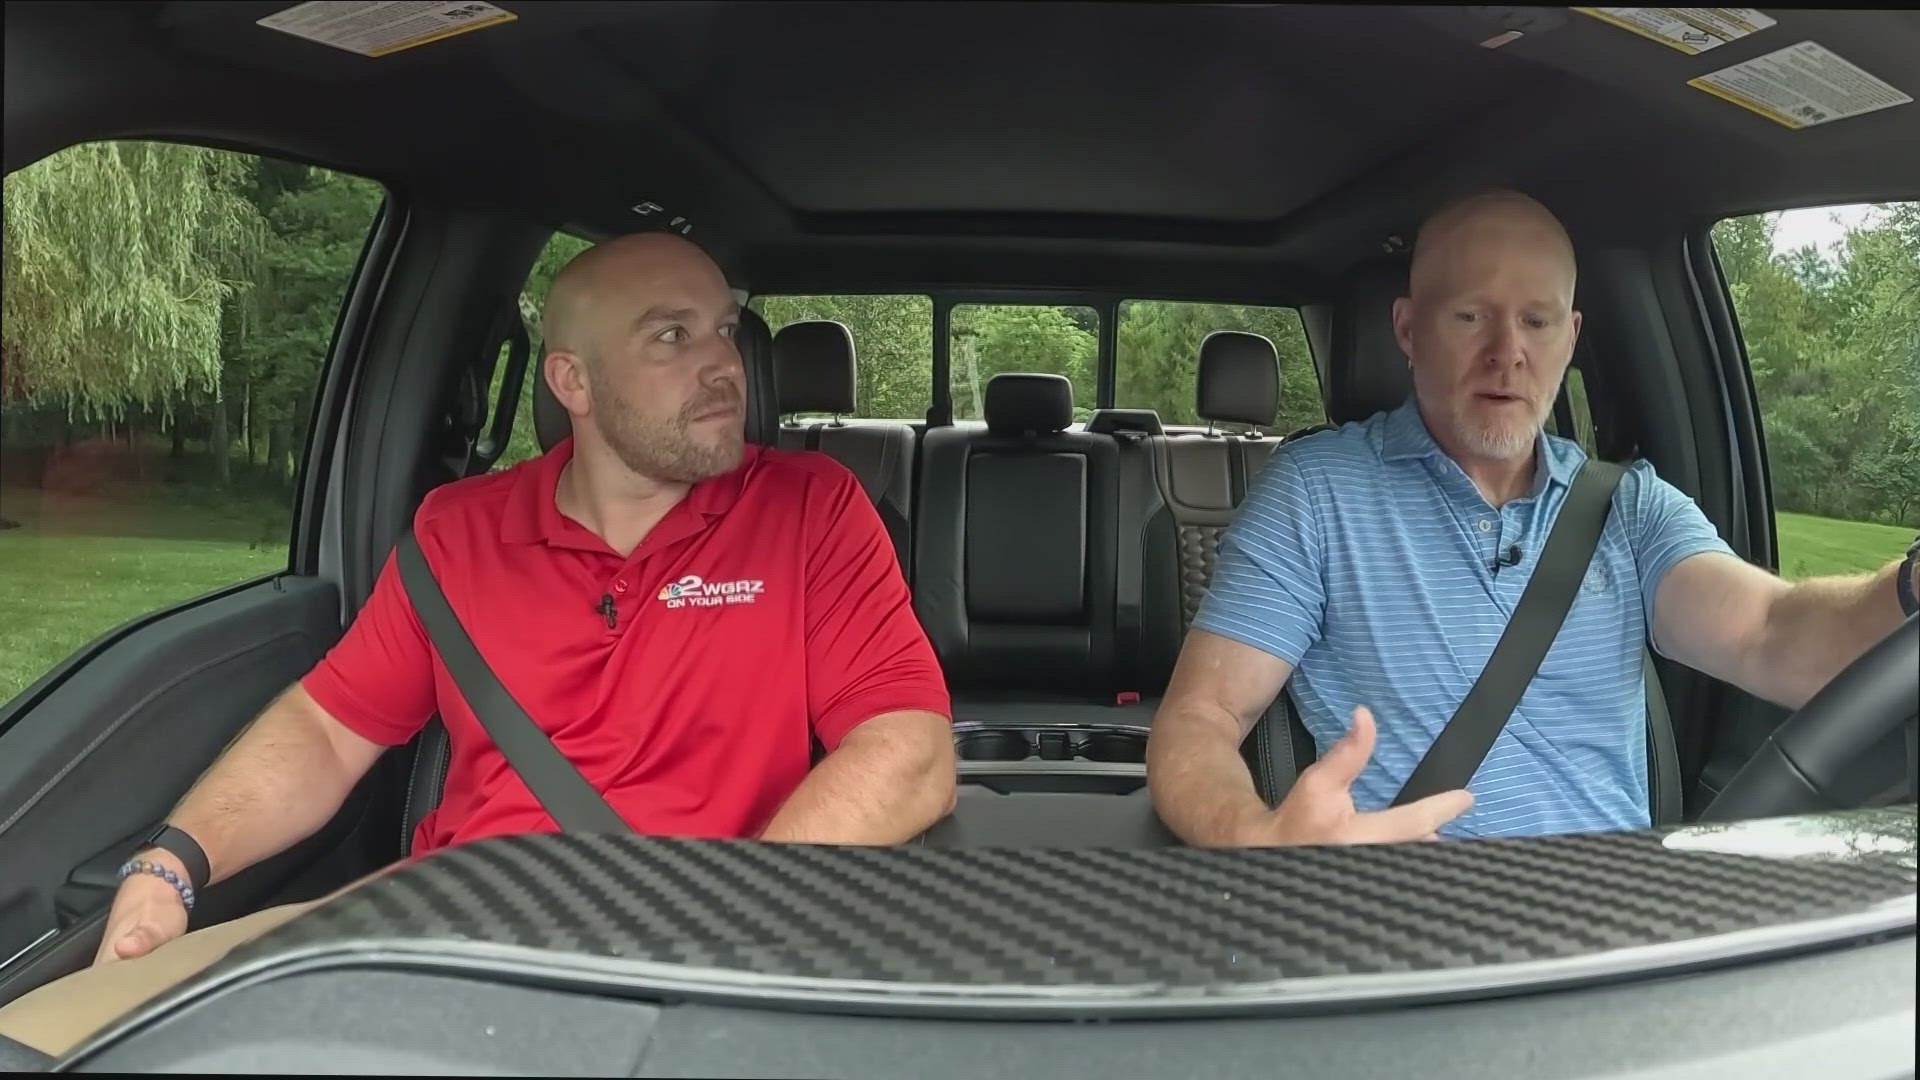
1903	580
183	847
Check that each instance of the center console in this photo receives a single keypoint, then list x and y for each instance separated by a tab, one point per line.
1036	784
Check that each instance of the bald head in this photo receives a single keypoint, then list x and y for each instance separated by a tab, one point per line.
1467	232
639	350
595	282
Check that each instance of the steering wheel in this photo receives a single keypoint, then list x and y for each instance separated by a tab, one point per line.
1811	762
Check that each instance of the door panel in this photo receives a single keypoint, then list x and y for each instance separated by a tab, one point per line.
113	745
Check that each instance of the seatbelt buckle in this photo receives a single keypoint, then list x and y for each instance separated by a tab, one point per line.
1126	697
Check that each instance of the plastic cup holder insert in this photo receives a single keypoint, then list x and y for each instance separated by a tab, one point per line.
993	746
1114	746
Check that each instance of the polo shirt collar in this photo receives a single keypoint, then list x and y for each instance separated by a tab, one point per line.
532	515
1404	437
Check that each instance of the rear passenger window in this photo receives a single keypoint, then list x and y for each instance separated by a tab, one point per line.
1826	299
168	313
892	344
1157	358
992	338
523	445
1572	415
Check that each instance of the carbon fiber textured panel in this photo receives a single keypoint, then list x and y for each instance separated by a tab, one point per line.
1203	919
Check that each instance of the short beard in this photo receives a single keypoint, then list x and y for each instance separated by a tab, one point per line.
1502	442
664	451
1499	444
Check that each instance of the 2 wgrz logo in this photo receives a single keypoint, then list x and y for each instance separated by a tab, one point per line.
695	591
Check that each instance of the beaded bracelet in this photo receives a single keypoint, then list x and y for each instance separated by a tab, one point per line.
142	866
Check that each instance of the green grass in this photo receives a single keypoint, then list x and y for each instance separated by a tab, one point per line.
1816	546
81	564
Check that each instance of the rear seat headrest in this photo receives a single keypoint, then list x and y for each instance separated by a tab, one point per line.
1239	378
552	424
1368	372
813	367
1022	402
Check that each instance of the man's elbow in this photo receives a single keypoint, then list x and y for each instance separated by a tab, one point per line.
936	774
920	766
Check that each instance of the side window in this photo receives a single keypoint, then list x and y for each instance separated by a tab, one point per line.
523	444
168	312
992	338
1827	300
1575	420
892	343
1157	358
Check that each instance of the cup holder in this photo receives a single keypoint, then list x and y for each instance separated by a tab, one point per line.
1114	746
1003	744
993	746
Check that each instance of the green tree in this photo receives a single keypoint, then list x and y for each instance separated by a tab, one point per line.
1834	346
989	339
120	261
1157	358
893	345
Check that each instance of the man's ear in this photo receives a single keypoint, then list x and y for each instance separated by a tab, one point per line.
566	375
1575	340
1403	326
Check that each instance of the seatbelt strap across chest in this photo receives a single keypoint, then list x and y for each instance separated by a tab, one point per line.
566	795
1464	743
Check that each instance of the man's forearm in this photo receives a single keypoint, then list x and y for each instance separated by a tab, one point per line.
277	784
878	787
1819	626
1201	787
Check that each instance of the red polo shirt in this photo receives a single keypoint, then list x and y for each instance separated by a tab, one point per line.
766	605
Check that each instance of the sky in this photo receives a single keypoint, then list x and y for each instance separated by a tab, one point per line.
1814	225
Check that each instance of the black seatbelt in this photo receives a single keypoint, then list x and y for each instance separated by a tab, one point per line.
1134	474
1463	744
572	802
1663	758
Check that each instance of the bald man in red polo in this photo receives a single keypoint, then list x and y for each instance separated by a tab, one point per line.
682	613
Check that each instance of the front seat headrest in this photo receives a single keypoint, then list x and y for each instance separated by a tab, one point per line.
1368	372
1239	378
552	424
813	365
1021	403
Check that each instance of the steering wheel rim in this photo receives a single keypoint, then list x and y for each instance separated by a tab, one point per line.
1805	764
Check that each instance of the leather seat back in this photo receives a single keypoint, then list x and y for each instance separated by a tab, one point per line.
814	371
1014	558
1204	477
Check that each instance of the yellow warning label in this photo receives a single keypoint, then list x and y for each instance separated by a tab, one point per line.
1801	86
1690	30
380	27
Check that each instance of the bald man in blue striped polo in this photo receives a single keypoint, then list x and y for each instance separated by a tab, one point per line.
1366	567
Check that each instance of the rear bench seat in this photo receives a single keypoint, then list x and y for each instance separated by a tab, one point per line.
814	372
1014	556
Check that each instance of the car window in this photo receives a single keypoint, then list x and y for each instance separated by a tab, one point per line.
1827	300
168	312
892	342
992	338
523	443
1157	358
1577	409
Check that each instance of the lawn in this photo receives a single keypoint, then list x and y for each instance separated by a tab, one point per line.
1815	546
79	566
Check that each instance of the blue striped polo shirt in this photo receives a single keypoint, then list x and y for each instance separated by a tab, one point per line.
1364	557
